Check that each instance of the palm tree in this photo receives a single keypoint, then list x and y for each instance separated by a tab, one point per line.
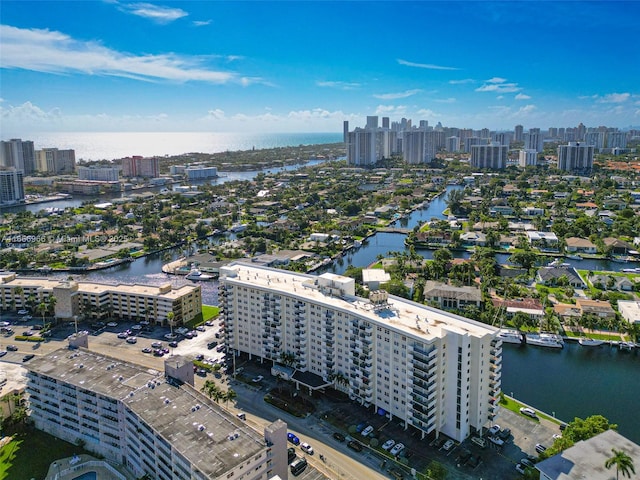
42	308
170	317
229	395
622	462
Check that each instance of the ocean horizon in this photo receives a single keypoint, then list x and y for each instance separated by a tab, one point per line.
115	145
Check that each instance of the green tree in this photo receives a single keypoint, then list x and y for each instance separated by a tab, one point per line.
622	462
436	471
229	396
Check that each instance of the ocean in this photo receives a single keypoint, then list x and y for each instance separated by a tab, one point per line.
114	145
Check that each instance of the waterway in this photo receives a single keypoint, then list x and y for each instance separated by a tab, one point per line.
574	382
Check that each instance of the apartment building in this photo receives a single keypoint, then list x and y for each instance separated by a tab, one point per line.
98	300
575	157
18	154
137	166
491	156
103	174
153	423
436	371
54	161
11	186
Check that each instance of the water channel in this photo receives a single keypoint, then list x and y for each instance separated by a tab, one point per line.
576	381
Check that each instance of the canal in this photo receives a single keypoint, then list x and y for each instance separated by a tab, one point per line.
573	382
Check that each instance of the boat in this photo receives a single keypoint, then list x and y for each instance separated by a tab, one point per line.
357	243
238	227
626	346
545	340
574	256
590	342
508	335
622	259
197	276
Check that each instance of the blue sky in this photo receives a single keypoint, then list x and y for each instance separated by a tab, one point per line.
293	66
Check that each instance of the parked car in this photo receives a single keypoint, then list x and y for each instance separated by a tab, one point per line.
355	445
146	350
211	345
22	312
505	434
398	447
527	462
520	469
173	344
496	441
28	357
306	448
209	323
493	430
132	340
529	412
12	348
293	439
200	328
257	379
448	445
367	431
156	345
540	448
481	442
291	454
388	444
112	324
338	436
123	335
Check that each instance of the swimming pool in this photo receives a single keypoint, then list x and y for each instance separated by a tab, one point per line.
87	476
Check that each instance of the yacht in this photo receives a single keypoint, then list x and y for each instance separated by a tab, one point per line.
626	346
590	342
573	256
197	276
508	335
545	340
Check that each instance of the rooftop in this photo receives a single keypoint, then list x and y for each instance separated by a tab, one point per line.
396	313
211	439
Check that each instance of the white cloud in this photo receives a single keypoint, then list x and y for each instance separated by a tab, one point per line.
425	112
55	52
395	96
339	85
216	114
614	98
522	96
462	82
496	80
201	23
499	97
428	66
28	112
390	110
446	100
157	13
525	111
499	87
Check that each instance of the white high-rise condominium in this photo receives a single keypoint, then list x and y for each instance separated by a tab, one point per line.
617	140
52	160
594	139
527	158
11	186
453	144
493	156
575	157
103	174
534	140
18	154
436	371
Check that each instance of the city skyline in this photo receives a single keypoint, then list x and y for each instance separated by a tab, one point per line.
308	66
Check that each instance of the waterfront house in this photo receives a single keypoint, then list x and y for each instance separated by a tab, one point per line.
630	310
529	306
374	278
580	245
618	246
600	308
610	282
552	275
450	297
567	311
543	240
474	239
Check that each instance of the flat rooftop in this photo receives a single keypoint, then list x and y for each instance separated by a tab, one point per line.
211	439
398	313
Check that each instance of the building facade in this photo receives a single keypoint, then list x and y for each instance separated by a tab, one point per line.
527	158
200	172
575	157
141	167
103	174
11	186
56	162
491	156
18	154
154	425
98	300
435	371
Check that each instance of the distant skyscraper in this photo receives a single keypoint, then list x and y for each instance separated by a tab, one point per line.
18	154
385	122
534	141
471	141
141	167
575	157
11	186
594	139
453	144
503	138
56	162
345	131
617	140
372	121
519	133
553	132
493	156
527	158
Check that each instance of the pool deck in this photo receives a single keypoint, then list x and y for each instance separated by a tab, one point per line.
72	467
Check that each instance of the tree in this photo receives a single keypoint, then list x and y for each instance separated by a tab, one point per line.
170	317
42	308
577	430
622	462
436	471
229	395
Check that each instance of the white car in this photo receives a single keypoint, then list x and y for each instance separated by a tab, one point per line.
520	469
529	412
496	441
388	444
367	431
257	379
448	445
494	430
397	449
306	448
22	312
131	340
112	324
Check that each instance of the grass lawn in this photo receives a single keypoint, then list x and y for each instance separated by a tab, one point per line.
513	405
31	452
209	312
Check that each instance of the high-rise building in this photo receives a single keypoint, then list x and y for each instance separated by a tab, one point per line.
385	122
471	141
453	144
137	166
422	146
594	139
361	147
155	424
345	131
11	186
527	158
553	132
617	140
493	156
433	370
372	121
534	141
19	154
102	174
575	157
518	133
503	138
56	162
580	131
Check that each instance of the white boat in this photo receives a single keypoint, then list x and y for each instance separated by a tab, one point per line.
626	345
197	276
622	259
357	243
574	256
238	227
545	340
508	335
590	342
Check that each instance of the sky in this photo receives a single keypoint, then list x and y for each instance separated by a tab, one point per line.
305	66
